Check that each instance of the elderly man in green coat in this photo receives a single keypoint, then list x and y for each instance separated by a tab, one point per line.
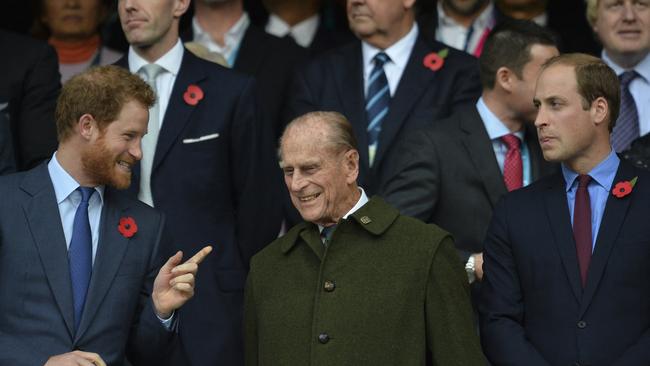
356	283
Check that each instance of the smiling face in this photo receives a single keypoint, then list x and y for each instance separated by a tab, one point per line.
112	151
73	19
321	180
623	26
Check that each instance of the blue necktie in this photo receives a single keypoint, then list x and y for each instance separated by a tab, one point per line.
80	254
377	102
626	129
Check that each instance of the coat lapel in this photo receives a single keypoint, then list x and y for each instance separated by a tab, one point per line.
415	80
178	112
347	66
252	49
111	249
44	220
615	212
557	211
478	145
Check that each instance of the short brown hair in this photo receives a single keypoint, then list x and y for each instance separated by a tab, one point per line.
101	92
340	135
595	79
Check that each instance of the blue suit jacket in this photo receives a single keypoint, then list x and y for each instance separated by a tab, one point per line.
36	311
334	82
533	308
218	191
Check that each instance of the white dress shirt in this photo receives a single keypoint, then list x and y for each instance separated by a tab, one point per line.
68	199
232	38
399	54
460	37
363	199
639	88
171	63
303	33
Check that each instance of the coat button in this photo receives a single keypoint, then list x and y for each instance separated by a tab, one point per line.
329	286
582	324
323	338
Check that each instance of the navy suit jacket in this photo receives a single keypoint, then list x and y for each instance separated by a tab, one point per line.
334	82
218	190
36	310
533	308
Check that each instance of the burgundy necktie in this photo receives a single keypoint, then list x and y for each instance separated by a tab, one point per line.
512	166
582	226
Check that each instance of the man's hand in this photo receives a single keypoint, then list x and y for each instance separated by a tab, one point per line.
478	265
174	284
76	358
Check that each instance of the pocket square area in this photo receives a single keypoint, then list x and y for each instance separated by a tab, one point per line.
202	138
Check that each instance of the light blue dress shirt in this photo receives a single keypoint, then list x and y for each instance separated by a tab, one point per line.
495	130
602	178
68	199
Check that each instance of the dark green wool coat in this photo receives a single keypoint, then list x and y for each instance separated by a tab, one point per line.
388	290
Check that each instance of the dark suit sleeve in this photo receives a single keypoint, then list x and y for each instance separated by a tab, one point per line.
466	85
448	308
302	98
7	159
35	128
501	305
256	177
637	354
414	187
149	341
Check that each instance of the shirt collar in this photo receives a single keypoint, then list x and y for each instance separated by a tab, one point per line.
64	184
493	125
643	67
399	52
363	199
170	61
232	38
603	173
303	33
484	20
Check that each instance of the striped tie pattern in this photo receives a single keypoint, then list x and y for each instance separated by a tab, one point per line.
377	102
627	125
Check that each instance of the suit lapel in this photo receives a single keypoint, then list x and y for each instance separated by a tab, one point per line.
415	80
347	66
615	211
557	211
178	112
44	221
479	148
251	52
111	249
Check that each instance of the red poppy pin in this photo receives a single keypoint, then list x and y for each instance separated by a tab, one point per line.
127	227
435	60
623	188
193	95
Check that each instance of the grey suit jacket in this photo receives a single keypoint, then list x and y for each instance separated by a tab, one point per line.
448	174
36	310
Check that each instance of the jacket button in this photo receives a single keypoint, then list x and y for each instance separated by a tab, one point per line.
323	338
329	286
582	324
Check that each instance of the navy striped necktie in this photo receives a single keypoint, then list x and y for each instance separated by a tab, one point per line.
626	129
377	102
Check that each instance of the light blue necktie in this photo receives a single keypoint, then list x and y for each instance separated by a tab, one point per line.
377	102
80	254
626	129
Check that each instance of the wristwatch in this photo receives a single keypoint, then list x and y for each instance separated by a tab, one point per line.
470	269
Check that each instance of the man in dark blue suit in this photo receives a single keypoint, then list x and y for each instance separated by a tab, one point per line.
80	274
388	82
207	166
565	272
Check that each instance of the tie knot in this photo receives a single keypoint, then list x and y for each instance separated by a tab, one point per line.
327	232
151	71
511	141
627	77
380	59
583	180
86	193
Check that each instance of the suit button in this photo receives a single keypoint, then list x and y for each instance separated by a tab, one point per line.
323	338
329	286
582	324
